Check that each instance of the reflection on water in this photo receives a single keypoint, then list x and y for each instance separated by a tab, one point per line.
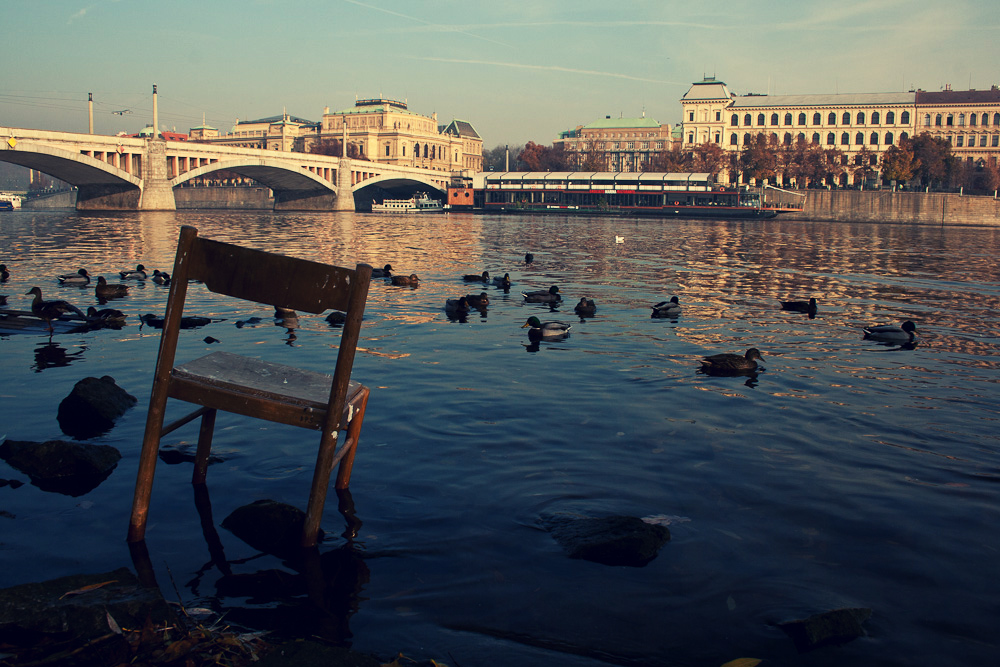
842	476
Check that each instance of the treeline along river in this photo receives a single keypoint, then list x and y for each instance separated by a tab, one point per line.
845	474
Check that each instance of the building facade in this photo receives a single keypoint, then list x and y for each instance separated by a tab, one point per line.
856	124
616	144
380	130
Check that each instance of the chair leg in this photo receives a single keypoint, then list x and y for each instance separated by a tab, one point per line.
204	447
147	463
353	434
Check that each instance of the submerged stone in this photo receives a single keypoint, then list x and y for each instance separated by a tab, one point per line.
268	526
92	407
828	628
60	466
611	540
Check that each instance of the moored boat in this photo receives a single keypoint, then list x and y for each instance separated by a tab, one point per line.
418	203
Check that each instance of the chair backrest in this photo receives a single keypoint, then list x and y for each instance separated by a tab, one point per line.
264	277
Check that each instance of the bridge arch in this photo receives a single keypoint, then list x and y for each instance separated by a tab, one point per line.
277	175
74	168
400	183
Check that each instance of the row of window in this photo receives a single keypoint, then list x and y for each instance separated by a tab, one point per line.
859	139
831	119
948	120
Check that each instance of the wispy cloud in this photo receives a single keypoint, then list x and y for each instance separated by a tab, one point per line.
545	68
427	25
80	14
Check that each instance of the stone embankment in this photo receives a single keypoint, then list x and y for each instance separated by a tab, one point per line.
911	208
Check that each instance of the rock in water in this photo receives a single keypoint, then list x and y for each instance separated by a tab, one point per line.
70	468
611	540
92	407
268	526
830	627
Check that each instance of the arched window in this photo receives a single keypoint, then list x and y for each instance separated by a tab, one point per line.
774	119
816	118
986	119
387	150
861	118
760	119
735	120
951	120
831	119
961	120
904	118
788	138
416	150
859	139
890	118
788	119
876	118
815	139
845	139
937	120
831	139
846	120
746	120
746	138
927	119
873	139
996	119
888	138
802	119
732	138
973	118
801	137
404	150
774	136
903	136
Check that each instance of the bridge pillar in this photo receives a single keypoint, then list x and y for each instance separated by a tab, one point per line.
157	195
345	191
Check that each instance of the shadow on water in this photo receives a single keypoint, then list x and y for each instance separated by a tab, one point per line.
312	594
53	355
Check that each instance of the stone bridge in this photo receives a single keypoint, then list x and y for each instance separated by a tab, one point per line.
128	173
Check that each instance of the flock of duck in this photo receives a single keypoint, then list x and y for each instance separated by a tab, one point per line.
54	309
716	364
457	308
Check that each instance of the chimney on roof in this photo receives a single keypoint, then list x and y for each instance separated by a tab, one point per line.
947	87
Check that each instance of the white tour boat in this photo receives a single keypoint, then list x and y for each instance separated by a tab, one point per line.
418	203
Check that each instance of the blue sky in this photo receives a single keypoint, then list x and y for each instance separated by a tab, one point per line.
518	70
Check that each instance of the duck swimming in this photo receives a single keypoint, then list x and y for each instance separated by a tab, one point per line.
808	307
891	333
538	329
104	290
586	307
528	258
412	280
51	310
106	316
551	295
161	277
731	364
457	307
671	308
81	277
4	273
384	272
503	282
478	300
187	322
138	274
484	277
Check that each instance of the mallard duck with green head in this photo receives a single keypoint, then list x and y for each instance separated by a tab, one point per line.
80	278
670	308
538	329
138	274
891	333
551	295
484	277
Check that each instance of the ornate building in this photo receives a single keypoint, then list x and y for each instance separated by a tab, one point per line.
850	122
381	130
616	144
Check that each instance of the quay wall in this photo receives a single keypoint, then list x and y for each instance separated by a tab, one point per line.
911	208
223	197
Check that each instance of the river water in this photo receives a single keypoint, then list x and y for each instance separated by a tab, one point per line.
846	474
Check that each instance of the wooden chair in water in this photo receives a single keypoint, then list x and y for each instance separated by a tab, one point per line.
251	387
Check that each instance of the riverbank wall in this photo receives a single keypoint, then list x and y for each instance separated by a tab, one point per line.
911	208
224	198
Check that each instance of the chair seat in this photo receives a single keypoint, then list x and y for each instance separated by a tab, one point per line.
249	386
